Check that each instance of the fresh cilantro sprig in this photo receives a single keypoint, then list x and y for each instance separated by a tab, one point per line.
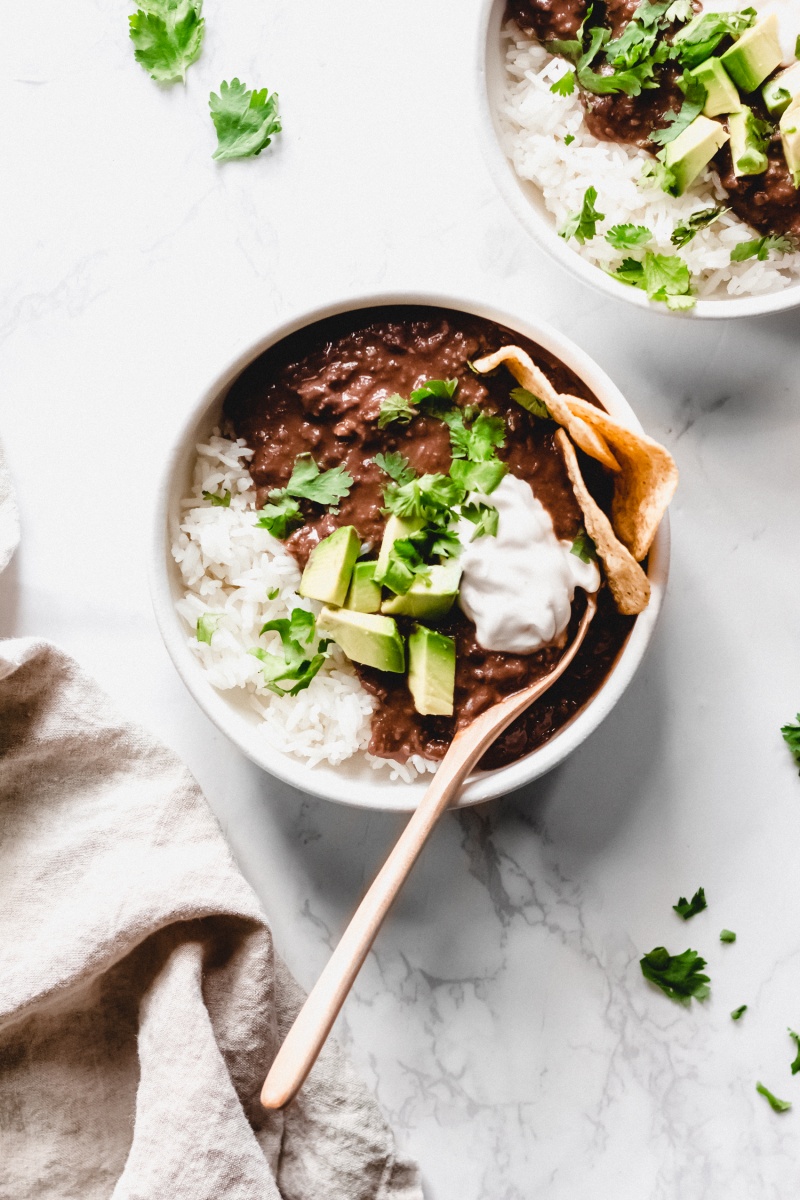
167	37
628	237
245	121
695	96
700	38
690	908
664	277
727	935
396	466
564	86
218	501
583	225
679	976
395	409
791	735
484	517
795	1066
307	482
583	547
775	1104
683	234
532	403
760	248
298	663
737	1013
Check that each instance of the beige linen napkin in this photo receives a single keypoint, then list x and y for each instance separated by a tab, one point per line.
141	1000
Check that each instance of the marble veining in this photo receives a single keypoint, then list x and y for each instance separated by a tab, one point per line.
501	1019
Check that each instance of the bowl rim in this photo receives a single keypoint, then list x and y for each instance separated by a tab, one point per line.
543	232
333	783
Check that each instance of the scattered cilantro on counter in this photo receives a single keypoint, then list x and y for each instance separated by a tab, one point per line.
791	735
760	248
690	908
694	102
245	121
484	517
583	225
167	37
532	403
679	976
207	626
683	234
396	466
665	277
727	935
796	1039
737	1012
584	547
297	665
775	1104
223	501
564	86
628	237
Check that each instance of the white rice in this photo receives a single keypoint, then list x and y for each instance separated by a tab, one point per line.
229	566
535	122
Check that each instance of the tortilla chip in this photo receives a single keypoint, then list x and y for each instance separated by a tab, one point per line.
528	375
629	585
644	486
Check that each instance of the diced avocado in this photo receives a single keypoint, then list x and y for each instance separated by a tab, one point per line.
755	56
747	143
330	565
364	594
431	672
396	528
790	136
778	93
430	596
366	638
721	94
692	150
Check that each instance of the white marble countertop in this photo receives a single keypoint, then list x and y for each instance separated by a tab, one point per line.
502	1020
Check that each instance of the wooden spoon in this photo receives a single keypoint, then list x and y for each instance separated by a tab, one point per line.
313	1023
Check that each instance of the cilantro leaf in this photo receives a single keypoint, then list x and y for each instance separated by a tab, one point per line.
281	516
633	46
679	976
307	482
532	403
223	501
775	1104
727	935
664	12
698	40
484	517
273	593
791	735
665	278
630	81
435	389
564	86
695	99
627	237
477	441
796	1039
683	234
245	121
167	37
404	564
690	908
584	547
737	1012
395	408
396	466
478	476
430	497
296	665
583	225
207	626
659	175
569	139
760	248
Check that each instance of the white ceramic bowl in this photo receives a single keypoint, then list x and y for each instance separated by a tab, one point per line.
357	783
525	199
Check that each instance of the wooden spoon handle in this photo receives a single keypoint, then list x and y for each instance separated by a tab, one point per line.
313	1023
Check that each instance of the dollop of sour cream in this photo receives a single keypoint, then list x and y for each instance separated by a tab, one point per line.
518	586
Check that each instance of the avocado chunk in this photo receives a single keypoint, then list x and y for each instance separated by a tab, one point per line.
721	93
396	529
692	150
790	136
755	56
748	142
778	93
366	638
431	672
430	596
330	565
364	594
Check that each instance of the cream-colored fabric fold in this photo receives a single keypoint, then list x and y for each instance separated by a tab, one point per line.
140	998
